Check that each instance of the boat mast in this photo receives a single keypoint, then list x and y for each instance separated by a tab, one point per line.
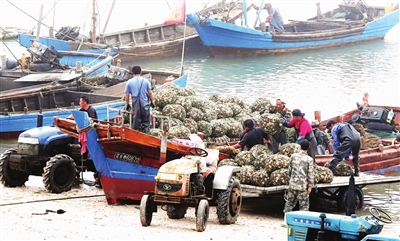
94	18
108	17
39	22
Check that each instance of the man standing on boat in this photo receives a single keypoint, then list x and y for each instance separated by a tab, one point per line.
304	131
274	18
139	89
346	139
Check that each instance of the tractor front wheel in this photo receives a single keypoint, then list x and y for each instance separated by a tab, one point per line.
203	211
146	210
59	174
9	177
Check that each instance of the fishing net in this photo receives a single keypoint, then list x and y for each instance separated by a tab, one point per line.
246	174
289	148
260	178
279	177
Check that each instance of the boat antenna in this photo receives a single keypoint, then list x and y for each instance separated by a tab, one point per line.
183	47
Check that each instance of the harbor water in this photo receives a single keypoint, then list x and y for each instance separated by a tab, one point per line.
330	80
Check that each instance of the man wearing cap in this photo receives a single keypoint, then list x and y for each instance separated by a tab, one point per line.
346	139
323	142
274	18
303	130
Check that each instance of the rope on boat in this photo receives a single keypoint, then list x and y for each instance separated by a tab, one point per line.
86	128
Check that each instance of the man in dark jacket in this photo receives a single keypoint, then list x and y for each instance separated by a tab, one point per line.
346	139
255	136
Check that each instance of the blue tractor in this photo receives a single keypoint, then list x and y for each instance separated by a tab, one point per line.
48	152
305	225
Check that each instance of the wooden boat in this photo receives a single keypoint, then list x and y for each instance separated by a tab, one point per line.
227	39
385	159
126	160
148	42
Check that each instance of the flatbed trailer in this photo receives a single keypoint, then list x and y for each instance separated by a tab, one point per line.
336	190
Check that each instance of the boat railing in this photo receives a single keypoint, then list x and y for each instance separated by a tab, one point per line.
119	117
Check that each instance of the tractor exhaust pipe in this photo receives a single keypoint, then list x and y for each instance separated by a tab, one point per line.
321	233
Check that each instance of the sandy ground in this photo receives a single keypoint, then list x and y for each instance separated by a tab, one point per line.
88	217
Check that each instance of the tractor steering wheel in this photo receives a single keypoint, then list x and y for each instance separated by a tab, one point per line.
376	213
195	151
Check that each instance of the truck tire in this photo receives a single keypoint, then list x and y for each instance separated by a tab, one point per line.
229	202
175	211
358	201
9	177
59	173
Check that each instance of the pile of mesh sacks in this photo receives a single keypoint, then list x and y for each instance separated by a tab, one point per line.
221	121
260	167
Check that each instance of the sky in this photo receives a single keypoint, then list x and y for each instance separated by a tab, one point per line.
129	14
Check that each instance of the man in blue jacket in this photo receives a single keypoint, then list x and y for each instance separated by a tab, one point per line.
346	140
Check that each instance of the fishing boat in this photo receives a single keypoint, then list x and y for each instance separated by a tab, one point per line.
382	121
334	28
20	109
127	160
148	42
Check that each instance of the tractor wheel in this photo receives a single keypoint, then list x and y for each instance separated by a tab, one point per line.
176	211
146	210
59	173
358	201
229	202
203	211
9	177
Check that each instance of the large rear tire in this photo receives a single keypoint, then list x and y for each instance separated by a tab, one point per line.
229	202
203	211
59	174
175	211
9	177
146	210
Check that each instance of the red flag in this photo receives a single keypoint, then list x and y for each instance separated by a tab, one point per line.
178	15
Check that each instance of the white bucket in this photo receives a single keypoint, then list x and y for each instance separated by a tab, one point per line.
3	61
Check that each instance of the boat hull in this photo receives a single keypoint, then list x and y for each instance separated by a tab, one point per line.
223	39
374	160
17	121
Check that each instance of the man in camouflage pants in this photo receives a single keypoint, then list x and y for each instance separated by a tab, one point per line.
301	179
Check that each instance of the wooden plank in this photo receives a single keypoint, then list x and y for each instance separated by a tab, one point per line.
162	33
133	37
148	36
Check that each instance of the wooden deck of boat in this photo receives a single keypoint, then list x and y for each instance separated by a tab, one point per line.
363	180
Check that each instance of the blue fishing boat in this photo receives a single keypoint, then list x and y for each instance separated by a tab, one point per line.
20	112
351	22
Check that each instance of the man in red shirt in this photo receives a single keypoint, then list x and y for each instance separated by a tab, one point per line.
303	130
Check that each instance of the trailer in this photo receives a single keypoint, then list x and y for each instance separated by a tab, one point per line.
336	190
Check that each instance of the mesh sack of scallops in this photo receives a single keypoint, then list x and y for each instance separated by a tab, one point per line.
246	174
342	168
260	178
271	123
